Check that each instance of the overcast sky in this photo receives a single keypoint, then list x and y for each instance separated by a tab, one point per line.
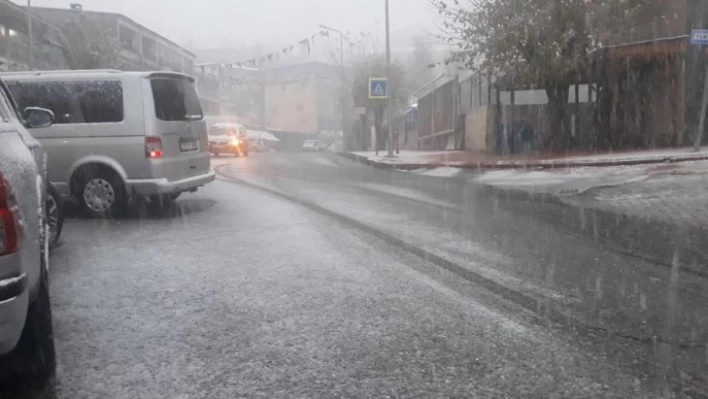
200	24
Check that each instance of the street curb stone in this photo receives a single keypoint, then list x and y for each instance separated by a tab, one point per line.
531	164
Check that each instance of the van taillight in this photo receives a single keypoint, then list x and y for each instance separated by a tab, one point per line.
153	147
10	221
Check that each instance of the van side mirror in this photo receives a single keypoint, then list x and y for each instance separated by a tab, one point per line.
38	117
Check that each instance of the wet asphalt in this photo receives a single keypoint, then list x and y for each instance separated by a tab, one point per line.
312	276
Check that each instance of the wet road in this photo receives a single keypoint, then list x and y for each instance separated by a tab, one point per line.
308	275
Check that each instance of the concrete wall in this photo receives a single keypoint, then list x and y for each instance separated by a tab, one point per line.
479	124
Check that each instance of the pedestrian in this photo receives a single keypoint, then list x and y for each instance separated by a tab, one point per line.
396	136
382	138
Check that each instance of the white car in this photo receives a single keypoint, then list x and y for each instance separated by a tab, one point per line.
310	146
26	340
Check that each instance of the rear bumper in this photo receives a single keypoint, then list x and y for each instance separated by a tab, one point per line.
227	147
14	301
164	186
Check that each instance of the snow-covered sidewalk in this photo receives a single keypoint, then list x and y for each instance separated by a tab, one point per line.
670	192
658	211
472	160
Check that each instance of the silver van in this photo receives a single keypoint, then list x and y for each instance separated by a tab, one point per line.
118	134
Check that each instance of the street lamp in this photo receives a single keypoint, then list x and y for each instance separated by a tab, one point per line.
388	82
341	61
29	33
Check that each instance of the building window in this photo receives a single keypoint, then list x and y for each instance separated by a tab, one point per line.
149	49
127	38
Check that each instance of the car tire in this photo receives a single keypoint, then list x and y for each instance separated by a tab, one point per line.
101	194
55	215
34	356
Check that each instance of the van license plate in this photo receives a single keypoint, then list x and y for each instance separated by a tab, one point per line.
188	145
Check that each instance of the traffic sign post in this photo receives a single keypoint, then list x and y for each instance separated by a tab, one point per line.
378	88
699	37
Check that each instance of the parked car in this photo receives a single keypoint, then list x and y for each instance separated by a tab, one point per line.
262	141
118	135
26	340
310	146
228	138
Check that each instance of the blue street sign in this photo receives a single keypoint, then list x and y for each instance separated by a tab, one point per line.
699	36
378	88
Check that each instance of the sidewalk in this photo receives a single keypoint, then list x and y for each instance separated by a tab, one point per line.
657	211
470	160
651	204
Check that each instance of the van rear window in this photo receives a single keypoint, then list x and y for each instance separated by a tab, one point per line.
175	100
73	102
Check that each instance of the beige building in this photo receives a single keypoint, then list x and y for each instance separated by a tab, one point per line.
304	98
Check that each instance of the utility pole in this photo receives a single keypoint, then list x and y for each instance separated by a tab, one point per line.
344	84
389	112
29	33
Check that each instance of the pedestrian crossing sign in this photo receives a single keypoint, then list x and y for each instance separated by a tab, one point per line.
378	88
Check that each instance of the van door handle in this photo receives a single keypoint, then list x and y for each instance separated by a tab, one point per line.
169	134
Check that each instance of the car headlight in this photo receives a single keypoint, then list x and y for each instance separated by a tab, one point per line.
235	142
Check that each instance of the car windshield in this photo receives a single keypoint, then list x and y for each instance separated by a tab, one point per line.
360	199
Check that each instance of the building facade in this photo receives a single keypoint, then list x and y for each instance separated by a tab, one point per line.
140	48
15	54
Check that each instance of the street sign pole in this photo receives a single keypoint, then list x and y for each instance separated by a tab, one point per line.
702	119
30	34
699	37
389	112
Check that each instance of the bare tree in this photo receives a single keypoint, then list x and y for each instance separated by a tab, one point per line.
420	71
88	45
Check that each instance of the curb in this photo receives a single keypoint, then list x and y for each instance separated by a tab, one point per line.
543	164
659	242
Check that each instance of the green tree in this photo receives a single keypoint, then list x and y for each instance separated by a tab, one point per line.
544	43
88	45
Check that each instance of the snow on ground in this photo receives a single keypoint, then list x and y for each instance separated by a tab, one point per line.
439	172
402	157
572	180
668	153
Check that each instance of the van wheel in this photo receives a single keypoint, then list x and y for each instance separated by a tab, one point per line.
35	356
101	194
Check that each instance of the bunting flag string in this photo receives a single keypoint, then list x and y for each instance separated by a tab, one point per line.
305	45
